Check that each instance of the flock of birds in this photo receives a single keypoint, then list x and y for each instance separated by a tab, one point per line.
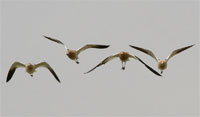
73	55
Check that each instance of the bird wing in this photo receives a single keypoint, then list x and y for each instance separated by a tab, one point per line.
146	51
12	70
44	64
55	40
178	51
151	69
91	46
104	62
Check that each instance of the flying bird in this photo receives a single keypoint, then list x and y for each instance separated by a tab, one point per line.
124	57
73	54
162	64
30	68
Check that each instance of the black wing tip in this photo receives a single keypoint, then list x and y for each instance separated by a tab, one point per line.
159	75
46	37
89	70
10	74
93	68
7	80
191	45
59	81
132	46
57	78
54	74
103	46
86	72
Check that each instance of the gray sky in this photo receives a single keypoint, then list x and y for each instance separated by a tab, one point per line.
158	26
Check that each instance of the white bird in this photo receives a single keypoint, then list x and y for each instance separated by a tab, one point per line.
30	68
124	57
73	54
162	64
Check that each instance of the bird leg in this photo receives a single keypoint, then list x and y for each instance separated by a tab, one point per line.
161	72
31	75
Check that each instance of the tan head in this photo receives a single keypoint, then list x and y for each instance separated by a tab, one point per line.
30	68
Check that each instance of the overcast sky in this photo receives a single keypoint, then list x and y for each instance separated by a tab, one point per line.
159	26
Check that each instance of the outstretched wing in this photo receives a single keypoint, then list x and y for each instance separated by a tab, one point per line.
14	66
151	69
44	64
91	46
103	62
146	51
178	51
55	40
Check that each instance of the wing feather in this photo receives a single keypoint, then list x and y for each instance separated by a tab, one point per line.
55	40
178	51
92	46
14	66
46	65
104	62
146	51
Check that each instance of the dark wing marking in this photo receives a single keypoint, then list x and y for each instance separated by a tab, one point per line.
146	51
151	69
91	46
14	66
55	40
178	51
44	64
103	62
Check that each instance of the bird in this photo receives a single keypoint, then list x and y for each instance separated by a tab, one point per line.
124	57
30	68
73	54
162	64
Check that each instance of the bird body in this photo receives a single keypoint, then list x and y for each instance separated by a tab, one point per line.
162	64
72	54
124	56
30	68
